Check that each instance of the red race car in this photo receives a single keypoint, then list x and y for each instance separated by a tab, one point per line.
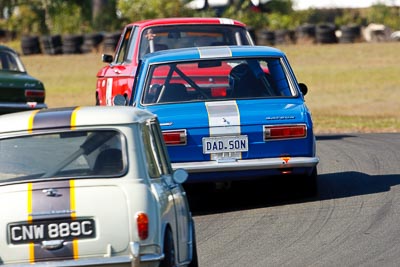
147	36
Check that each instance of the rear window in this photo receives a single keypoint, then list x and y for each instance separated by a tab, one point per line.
208	80
67	154
10	62
181	36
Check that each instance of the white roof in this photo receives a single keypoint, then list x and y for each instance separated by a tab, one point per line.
71	117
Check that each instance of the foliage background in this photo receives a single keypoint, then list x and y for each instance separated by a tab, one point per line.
76	16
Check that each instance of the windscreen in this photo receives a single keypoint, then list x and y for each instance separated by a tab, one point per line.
67	154
218	79
181	36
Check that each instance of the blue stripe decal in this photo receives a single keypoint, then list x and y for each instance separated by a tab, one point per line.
45	207
213	52
53	118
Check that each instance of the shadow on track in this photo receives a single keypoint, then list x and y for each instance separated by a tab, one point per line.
205	199
330	137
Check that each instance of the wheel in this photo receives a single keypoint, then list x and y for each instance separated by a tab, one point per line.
169	250
309	183
195	261
97	100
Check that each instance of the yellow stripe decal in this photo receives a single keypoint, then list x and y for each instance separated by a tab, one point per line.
31	245
72	198
73	216
31	252
73	118
30	121
30	202
75	249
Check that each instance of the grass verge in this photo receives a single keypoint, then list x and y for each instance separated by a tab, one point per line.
352	87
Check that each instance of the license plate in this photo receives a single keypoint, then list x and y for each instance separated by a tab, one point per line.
66	229
225	144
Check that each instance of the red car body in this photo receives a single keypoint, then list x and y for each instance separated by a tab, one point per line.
142	37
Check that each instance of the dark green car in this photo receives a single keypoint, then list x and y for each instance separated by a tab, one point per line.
18	90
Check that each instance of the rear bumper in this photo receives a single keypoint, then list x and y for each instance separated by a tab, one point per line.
227	165
15	106
133	260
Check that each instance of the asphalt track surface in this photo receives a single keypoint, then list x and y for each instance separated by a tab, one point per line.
354	221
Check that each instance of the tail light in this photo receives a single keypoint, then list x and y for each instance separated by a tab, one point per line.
218	92
176	137
34	95
142	225
285	131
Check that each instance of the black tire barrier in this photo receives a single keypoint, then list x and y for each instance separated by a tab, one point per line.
306	33
110	42
91	42
266	37
350	33
325	34
51	44
284	36
30	45
71	44
3	34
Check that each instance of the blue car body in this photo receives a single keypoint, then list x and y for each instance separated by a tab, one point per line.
217	136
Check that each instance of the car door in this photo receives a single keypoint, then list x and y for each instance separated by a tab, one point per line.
169	191
118	76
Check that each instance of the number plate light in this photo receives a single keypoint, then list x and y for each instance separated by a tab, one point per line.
284	131
176	137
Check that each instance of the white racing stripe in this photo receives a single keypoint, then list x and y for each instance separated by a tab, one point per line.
214	52
226	21
223	120
226	114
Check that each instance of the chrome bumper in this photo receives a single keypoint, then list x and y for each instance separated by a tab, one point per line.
134	259
22	106
246	164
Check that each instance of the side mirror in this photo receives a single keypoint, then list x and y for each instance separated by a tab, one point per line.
303	88
180	176
119	100
106	58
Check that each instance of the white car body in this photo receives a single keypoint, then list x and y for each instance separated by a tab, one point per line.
58	215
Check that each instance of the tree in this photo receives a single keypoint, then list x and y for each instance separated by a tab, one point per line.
149	9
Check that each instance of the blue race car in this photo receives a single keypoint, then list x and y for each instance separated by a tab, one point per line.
229	112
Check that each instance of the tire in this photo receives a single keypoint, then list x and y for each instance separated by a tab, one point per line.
91	42
350	33
71	44
52	44
169	250
30	45
309	184
110	41
195	260
325	34
306	33
97	100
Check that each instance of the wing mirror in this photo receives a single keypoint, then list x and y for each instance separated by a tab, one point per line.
180	176
119	100
106	58
303	88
